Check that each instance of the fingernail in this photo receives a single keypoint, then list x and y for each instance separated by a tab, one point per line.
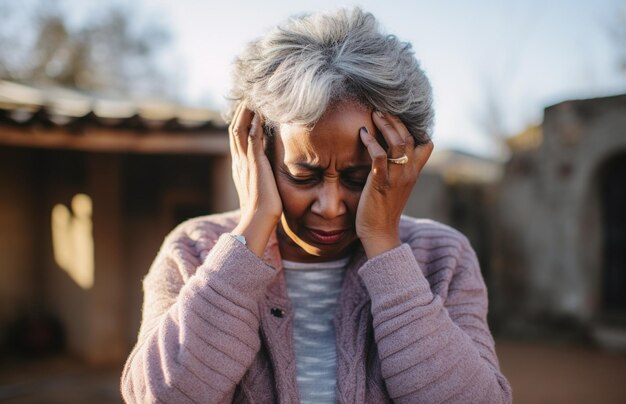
364	129
380	114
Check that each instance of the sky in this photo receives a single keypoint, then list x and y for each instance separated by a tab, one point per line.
524	55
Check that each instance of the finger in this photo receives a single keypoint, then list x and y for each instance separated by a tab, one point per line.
377	153
238	110
395	141
243	129
399	127
231	131
421	154
239	136
409	140
255	137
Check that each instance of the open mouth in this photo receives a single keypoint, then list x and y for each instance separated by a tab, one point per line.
326	237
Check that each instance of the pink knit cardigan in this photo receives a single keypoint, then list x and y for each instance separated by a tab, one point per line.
217	323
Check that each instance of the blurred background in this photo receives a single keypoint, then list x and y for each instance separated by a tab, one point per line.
111	135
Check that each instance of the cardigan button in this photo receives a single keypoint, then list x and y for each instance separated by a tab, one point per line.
276	312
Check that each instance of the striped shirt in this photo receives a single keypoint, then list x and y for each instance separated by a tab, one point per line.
313	289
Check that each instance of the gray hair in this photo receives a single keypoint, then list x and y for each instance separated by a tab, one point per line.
299	69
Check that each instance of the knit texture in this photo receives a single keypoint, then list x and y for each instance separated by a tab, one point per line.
410	323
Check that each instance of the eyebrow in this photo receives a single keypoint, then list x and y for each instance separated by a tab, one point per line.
349	169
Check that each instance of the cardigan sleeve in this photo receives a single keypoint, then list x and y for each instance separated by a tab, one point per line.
200	325
433	350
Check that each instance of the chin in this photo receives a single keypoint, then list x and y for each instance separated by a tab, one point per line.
330	253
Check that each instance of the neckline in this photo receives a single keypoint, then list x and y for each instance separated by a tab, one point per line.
308	266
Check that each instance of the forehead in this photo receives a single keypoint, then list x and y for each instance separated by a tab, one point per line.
334	139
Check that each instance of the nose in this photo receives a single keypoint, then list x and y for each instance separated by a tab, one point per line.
329	202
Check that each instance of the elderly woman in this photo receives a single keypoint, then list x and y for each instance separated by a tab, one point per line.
318	289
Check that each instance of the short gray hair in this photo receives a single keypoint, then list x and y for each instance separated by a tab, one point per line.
301	68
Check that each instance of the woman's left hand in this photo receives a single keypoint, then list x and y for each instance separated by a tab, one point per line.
388	185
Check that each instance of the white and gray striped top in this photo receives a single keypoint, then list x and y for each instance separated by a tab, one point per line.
313	290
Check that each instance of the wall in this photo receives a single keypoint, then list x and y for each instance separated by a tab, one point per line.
18	234
136	200
549	211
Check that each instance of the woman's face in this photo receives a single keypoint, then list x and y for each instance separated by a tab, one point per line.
320	173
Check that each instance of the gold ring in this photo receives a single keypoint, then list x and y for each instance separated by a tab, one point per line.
399	160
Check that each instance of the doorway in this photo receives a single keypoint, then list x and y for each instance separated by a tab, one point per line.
613	203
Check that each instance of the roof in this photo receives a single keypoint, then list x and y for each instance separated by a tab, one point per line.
529	139
457	166
57	117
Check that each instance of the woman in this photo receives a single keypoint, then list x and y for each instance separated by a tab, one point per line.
318	289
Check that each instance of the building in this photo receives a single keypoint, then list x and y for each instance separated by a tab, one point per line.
89	186
561	242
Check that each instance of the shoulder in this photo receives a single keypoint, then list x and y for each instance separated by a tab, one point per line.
188	244
204	228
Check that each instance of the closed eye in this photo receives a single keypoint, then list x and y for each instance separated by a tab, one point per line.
355	183
301	180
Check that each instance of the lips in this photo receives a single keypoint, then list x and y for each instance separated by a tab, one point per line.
325	236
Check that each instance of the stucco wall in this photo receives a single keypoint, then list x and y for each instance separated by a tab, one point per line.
550	211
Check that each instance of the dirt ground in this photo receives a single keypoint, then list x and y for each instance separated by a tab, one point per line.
556	373
539	372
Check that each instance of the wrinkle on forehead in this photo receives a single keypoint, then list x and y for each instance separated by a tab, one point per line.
333	142
324	150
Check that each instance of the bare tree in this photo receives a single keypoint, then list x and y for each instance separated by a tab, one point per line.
491	115
107	52
617	32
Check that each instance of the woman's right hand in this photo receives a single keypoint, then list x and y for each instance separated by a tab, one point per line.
259	201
